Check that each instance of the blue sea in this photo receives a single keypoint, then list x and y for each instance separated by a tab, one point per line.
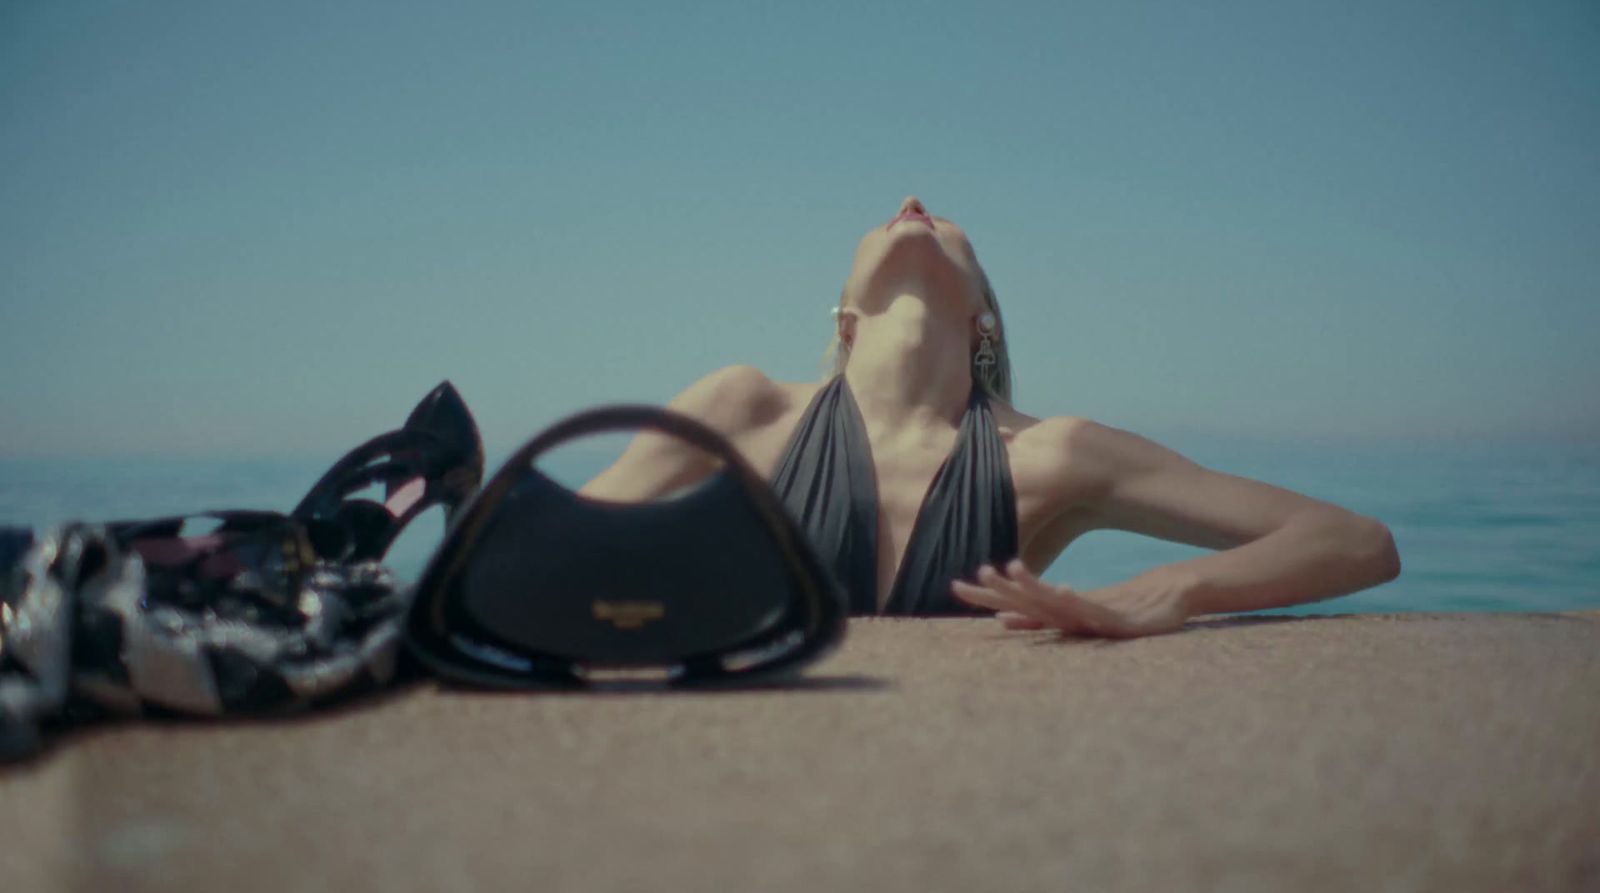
1479	527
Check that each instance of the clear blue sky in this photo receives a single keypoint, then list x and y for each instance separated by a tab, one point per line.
267	228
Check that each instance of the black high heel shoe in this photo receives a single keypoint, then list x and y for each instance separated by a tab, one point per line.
232	611
436	457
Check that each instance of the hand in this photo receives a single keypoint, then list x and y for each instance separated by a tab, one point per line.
1146	605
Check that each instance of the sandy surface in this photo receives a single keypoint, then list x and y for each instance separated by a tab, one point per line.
1415	752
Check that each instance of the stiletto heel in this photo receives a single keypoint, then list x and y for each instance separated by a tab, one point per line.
435	458
231	611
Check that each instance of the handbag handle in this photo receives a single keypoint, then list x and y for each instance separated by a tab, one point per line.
826	612
611	419
632	417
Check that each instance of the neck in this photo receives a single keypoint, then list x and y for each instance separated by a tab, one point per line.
909	366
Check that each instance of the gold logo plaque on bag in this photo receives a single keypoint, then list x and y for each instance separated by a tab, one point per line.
628	615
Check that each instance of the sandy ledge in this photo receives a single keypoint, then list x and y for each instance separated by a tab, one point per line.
1369	752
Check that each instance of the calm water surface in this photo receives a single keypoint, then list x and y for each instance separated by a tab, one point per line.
1479	528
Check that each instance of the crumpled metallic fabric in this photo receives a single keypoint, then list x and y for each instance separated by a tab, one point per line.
79	626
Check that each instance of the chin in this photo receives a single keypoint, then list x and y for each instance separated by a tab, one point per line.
916	246
908	251
907	228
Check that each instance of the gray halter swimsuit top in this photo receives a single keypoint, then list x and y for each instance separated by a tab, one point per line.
968	516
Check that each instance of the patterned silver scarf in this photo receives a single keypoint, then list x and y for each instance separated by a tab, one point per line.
84	631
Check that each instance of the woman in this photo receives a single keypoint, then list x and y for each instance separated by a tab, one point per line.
928	493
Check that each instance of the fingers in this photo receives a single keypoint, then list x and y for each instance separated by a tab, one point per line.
980	596
1054	604
1005	609
1096	617
1022	601
1013	620
1030	587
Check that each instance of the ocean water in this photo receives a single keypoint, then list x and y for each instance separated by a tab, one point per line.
1479	528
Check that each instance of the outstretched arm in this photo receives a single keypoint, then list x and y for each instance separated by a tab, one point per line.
1276	547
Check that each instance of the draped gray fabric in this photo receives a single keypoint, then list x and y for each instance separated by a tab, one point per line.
968	517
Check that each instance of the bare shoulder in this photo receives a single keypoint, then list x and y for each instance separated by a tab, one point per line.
1047	436
1066	453
735	400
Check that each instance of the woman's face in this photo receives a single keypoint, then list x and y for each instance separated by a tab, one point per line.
914	251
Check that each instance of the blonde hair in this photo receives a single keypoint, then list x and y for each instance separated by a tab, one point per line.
995	380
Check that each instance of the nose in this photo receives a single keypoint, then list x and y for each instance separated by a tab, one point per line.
913	204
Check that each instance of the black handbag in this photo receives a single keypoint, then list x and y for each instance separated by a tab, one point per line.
537	586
